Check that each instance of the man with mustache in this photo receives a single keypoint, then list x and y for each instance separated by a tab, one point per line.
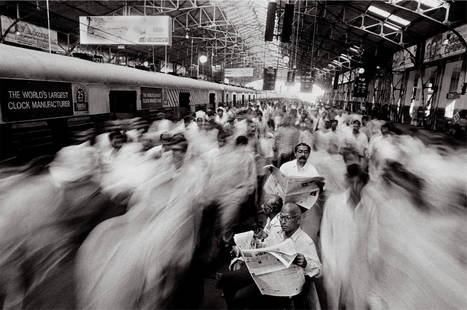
300	167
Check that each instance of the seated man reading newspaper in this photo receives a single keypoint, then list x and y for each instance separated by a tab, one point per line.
272	266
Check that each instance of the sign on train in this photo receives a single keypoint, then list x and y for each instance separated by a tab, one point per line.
28	100
151	98
80	98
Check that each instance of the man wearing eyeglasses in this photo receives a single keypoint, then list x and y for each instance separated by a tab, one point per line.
299	167
239	289
290	219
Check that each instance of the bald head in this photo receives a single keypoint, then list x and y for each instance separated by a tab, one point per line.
290	218
291	209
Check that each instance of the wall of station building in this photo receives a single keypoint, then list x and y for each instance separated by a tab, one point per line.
440	94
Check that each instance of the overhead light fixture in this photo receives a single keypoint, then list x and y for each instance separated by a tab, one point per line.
361	70
121	47
187	36
203	59
285	59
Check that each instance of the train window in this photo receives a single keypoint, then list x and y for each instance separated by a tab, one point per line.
234	97
243	99
184	103
212	101
122	103
227	98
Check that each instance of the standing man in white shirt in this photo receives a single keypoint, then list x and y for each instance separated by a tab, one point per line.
300	167
358	139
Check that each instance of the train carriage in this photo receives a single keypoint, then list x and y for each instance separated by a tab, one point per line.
43	96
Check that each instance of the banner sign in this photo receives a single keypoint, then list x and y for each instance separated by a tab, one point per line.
306	83
269	78
151	98
291	77
27	100
238	72
80	98
28	34
360	87
126	30
445	45
402	60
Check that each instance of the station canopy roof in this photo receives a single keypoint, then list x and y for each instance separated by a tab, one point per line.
231	32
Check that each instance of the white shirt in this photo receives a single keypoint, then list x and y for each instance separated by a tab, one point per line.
271	224
291	169
303	245
359	142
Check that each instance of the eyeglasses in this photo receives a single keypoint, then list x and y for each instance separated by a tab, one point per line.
303	152
287	218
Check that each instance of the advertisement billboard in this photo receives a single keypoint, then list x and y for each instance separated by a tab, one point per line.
445	45
238	72
402	59
125	30
28	34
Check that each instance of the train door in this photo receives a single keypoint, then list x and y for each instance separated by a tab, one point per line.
184	103
122	103
234	99
212	101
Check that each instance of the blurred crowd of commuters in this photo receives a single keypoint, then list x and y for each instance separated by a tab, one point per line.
138	216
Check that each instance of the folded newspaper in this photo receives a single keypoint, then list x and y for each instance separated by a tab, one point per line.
271	267
301	190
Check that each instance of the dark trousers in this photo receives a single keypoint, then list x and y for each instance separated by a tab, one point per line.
241	292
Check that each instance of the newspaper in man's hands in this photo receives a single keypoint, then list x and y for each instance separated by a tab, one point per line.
303	191
271	267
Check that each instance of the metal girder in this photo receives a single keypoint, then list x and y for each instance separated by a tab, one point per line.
378	27
198	22
423	13
420	10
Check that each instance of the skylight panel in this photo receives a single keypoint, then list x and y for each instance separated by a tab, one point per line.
399	20
432	3
378	11
385	14
392	26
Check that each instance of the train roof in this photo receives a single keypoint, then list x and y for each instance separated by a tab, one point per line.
21	63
